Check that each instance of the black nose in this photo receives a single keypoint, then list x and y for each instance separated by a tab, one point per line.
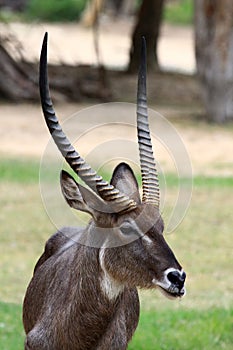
176	278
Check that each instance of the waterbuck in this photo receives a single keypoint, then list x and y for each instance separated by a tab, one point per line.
83	294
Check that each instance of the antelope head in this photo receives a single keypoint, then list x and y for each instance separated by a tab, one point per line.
141	257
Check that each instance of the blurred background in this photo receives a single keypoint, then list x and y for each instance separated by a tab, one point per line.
93	58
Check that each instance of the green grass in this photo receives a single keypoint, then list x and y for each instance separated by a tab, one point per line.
184	330
11	329
19	171
179	12
55	11
27	172
161	329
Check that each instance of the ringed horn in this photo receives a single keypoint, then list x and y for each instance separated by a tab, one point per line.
150	181
117	200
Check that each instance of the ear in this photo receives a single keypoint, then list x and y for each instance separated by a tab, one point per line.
79	197
125	181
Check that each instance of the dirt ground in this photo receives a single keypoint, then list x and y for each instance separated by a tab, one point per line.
23	134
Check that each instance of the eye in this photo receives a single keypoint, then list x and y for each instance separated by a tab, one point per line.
126	228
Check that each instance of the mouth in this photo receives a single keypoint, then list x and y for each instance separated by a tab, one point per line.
172	292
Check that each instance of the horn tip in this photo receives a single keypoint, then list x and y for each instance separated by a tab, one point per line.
44	47
46	37
45	42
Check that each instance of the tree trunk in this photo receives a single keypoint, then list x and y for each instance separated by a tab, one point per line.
214	56
148	25
15	83
91	12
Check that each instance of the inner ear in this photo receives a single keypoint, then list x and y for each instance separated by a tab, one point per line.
125	181
79	197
